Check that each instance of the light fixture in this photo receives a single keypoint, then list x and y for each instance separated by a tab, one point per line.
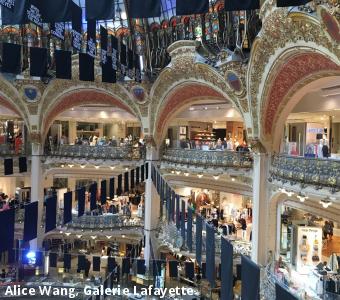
126	169
109	236
97	167
186	174
301	197
67	233
191	108
93	237
216	177
233	179
325	203
112	167
217	107
61	231
200	175
290	194
123	235
172	172
205	108
178	172
70	165
82	166
62	166
79	236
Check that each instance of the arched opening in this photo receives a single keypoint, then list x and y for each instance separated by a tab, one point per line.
89	118
303	86
13	129
193	111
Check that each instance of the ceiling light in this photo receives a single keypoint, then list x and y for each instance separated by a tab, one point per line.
178	172
216	177
62	166
109	236
172	172
199	175
123	235
79	236
97	167
112	168
93	237
67	233
82	166
232	179
71	166
61	231
217	107
186	174
191	108
205	108
289	194
126	169
325	203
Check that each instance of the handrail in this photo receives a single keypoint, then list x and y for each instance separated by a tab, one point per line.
127	152
210	158
306	170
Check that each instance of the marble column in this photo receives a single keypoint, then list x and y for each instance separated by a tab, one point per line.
72	131
151	209
37	192
260	230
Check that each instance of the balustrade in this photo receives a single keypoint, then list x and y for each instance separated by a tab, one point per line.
98	152
306	171
209	159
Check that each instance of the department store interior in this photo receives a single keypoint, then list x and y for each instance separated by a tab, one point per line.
170	145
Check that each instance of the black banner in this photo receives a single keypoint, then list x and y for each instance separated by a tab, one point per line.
16	16
76	26
58	30
54	11
191	7
31	221
114	46
93	196
123	59
8	4
34	13
235	5
22	164
8	166
103	192
51	214
138	70
282	293
112	188
251	275
130	63
210	255
100	9
227	253
287	3
144	9
67	207
91	38
81	201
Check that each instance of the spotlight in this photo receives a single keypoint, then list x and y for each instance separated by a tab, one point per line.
216	177
79	236
172	172
93	237
112	168
200	175
62	166
82	166
178	172
71	166
186	174
325	203
232	179
67	233
301	197
123	236
109	236
97	167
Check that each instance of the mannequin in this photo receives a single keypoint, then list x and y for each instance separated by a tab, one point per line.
320	154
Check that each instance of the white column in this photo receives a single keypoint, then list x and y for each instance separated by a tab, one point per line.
37	192
260	233
152	207
72	131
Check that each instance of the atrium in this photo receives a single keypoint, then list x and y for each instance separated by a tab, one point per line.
170	149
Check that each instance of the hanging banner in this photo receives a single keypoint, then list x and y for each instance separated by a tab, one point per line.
130	63
199	228
54	11
34	13
236	5
189	228
17	15
126	182
8	4
76	26
103	44
93	196
123	63
114	46
91	38
81	201
137	175
51	214
112	188
183	222
103	192
227	253
282	293
138	70
144	9
67	207
210	255
120	185
31	221
58	30
178	215
100	9
251	275
191	7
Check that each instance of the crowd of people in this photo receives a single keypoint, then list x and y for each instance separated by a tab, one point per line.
229	145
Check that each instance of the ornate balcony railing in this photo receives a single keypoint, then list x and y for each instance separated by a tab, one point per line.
307	171
105	222
11	150
209	159
97	152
